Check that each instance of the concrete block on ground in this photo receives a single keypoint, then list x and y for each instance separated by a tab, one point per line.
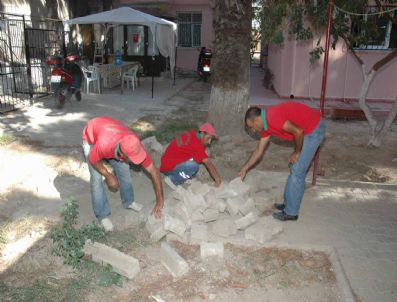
174	225
208	249
185	238
247	206
239	187
246	221
233	205
197	215
224	227
221	205
199	188
223	191
181	211
264	230
210	215
194	201
174	263
155	227
198	233
121	263
176	194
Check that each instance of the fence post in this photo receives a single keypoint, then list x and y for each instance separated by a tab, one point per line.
27	56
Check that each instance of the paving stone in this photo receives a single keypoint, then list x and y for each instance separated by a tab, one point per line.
223	191
224	227
198	233
174	225
199	188
209	249
185	238
194	201
233	205
155	227
246	221
210	215
221	205
247	206
174	263
121	263
197	215
238	186
264	230
181	211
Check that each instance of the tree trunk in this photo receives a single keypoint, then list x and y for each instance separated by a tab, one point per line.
378	128
231	65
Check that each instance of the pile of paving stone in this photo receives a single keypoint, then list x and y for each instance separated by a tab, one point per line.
234	213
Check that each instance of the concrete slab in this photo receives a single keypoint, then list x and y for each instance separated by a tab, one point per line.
175	264
121	263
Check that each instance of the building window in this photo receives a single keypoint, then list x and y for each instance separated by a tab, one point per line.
375	32
189	29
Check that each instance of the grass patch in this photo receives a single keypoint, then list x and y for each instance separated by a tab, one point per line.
17	229
7	139
174	124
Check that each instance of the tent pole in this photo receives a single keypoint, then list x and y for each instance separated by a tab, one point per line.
152	74
176	52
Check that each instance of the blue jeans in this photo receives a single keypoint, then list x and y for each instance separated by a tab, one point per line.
183	171
99	198
295	186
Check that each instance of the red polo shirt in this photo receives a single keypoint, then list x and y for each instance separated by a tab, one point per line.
299	114
104	133
182	148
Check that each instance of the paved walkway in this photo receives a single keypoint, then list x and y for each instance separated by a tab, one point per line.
360	221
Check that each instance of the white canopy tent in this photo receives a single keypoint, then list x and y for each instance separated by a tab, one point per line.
164	32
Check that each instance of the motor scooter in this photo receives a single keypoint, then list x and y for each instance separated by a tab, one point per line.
66	78
204	63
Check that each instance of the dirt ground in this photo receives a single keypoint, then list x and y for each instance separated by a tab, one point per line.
36	178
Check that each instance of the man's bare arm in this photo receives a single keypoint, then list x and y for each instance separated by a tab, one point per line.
212	171
158	189
255	156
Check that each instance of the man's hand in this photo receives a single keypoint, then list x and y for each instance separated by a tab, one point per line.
218	183
242	173
112	182
293	158
157	210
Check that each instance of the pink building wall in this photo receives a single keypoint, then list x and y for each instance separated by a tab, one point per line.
293	73
187	57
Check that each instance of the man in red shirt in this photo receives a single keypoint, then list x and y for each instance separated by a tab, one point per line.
289	121
182	157
108	140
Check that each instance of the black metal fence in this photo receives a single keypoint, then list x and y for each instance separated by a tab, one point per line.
24	47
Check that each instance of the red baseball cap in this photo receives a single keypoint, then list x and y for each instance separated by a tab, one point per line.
207	127
133	149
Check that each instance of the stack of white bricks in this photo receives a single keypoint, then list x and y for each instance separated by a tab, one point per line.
202	213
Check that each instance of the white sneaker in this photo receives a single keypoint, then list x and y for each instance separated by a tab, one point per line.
135	206
107	224
169	182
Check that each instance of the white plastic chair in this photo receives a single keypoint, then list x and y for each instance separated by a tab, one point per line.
91	75
130	75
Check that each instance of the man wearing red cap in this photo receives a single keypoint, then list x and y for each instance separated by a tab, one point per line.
183	155
106	139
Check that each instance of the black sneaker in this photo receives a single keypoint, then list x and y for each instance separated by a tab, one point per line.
284	217
279	206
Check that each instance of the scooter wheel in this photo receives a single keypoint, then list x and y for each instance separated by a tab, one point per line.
59	100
